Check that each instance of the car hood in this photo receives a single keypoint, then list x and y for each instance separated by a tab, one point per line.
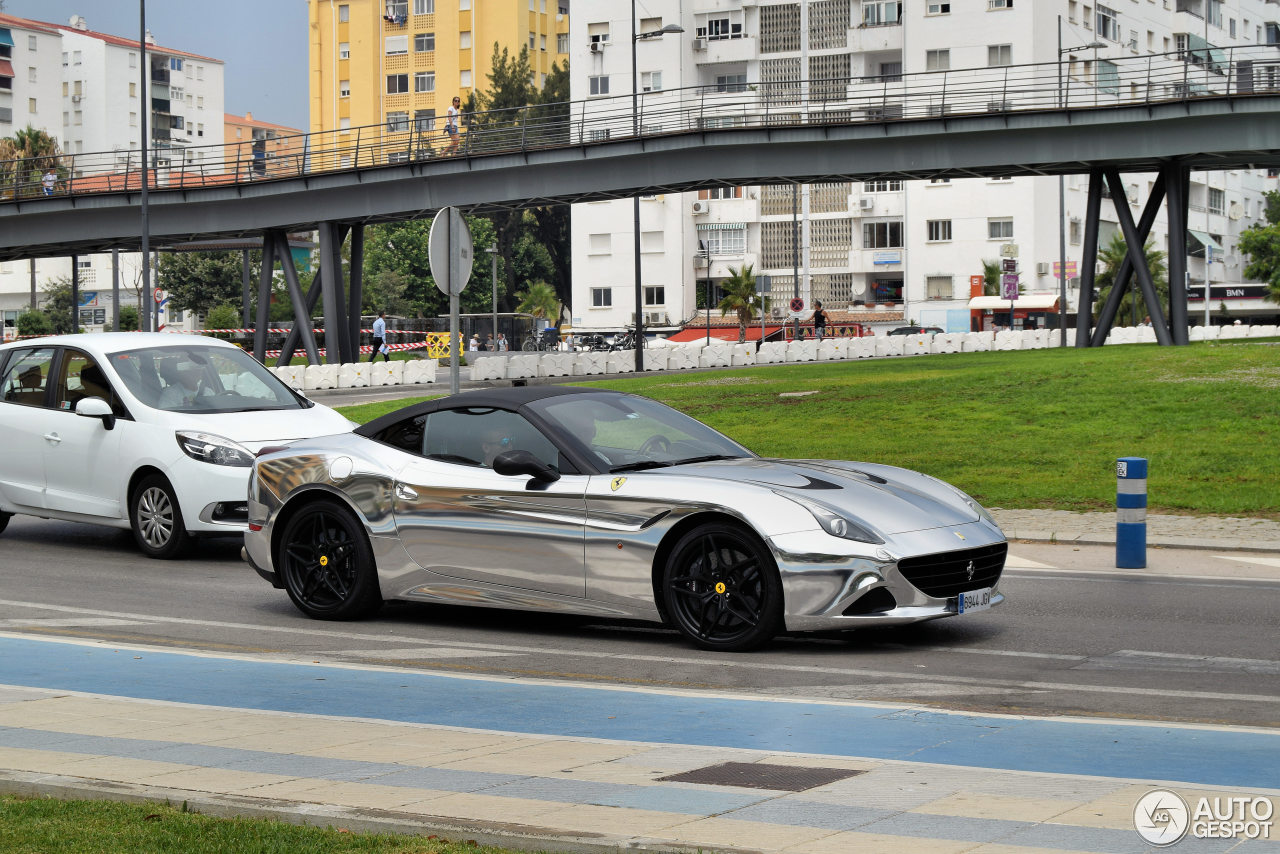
891	500
264	427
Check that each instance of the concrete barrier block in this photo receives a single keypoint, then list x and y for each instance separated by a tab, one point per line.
489	368
716	356
293	376
1262	330
771	353
319	377
976	342
833	349
522	366
1008	339
680	358
1035	339
589	362
620	362
802	351
890	345
861	348
353	375
1122	335
419	371
1145	335
1233	331
386	373
947	342
917	345
743	354
555	365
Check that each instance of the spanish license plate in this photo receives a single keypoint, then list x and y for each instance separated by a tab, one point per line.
974	600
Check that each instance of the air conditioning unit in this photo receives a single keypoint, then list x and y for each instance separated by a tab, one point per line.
596	47
1042	268
701	207
75	99
655	318
699	44
866	203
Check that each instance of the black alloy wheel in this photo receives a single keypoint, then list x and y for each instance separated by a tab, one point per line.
721	589
328	565
156	519
4	521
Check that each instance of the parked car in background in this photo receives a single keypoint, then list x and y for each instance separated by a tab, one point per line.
916	330
588	501
143	430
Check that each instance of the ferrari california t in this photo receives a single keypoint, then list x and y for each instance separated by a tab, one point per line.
595	502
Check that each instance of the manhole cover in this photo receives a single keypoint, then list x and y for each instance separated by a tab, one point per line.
752	775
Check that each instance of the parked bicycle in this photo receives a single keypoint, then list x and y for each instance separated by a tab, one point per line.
547	341
626	340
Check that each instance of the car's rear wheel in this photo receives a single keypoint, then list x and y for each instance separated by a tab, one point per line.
327	563
721	588
156	519
4	521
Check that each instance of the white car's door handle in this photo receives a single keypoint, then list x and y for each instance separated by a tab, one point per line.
405	492
52	437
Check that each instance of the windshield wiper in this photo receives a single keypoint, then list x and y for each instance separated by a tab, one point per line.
641	466
708	458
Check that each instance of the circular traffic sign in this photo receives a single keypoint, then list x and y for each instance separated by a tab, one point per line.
158	293
450	251
797	304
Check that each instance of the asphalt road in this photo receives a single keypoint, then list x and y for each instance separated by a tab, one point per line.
1190	639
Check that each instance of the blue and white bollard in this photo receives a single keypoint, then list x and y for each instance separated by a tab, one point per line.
1131	513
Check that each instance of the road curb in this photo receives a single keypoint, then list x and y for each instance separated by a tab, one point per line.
359	820
1076	538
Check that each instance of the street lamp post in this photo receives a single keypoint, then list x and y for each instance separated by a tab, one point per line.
1062	204
635	201
703	259
493	254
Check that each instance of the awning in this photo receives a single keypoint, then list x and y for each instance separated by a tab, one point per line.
1032	302
720	333
6	37
717	226
6	68
1199	240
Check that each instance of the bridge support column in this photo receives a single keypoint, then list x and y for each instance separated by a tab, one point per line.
302	306
1179	185
355	295
1138	257
264	297
329	277
1089	266
1124	275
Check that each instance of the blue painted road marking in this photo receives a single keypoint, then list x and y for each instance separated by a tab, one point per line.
1192	755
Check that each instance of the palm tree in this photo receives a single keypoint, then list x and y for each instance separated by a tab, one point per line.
539	299
990	277
740	296
26	155
1112	256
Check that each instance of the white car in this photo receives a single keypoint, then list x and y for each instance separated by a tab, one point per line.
149	431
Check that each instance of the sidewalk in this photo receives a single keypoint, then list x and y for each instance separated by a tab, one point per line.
819	778
1223	533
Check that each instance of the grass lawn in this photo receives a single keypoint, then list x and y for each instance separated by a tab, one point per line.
42	825
1028	429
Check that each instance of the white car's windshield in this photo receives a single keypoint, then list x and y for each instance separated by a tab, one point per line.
200	378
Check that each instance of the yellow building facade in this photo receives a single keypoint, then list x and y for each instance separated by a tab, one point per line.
383	72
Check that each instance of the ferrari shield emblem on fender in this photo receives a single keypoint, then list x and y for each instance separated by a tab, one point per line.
616	483
958	534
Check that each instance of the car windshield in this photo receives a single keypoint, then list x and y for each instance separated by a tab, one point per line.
201	378
628	433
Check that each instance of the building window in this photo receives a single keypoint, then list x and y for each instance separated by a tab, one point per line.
424	7
999	229
1074	232
175	63
31	105
344	14
424	42
424	120
344	123
133	120
397	45
1108	24
891	72
721	193
731	82
894	186
31	42
882	235
562	43
938	287
655	295
601	297
464	79
424	81
599	85
999	54
464	5
999	4
344	50
651	81
397	122
724	241
937	8
1108	77
879	13
344	88
937	60
939	229
397	84
939	180
1217	200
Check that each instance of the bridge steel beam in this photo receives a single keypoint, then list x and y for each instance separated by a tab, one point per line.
355	292
301	311
264	297
290	345
1124	275
1207	133
1138	257
331	288
1089	265
1179	186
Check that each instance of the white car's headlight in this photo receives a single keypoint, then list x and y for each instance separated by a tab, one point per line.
208	448
833	523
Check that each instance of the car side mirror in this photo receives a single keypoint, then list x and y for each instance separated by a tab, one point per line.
520	462
96	407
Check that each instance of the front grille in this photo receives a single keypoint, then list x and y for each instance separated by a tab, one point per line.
947	574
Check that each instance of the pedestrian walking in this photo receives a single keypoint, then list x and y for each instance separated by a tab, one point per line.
819	319
503	346
49	181
473	346
379	339
451	124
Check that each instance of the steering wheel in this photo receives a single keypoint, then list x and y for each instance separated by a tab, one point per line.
655	444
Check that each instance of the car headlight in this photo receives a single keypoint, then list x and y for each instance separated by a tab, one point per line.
208	448
833	523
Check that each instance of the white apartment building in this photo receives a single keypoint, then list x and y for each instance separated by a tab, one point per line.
85	89
898	251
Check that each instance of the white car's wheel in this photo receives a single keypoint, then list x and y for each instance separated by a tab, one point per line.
157	519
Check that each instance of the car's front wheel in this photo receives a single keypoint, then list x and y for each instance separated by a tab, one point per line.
721	588
4	521
327	563
156	519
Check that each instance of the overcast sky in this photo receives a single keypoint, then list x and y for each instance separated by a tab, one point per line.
262	42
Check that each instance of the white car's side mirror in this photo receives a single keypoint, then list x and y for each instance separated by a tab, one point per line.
96	407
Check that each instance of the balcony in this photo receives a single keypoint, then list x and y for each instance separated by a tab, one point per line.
160	75
160	105
711	50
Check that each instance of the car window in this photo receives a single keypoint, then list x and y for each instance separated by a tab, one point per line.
201	378
80	377
471	437
27	376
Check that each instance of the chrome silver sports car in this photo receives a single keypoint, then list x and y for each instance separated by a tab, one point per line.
594	502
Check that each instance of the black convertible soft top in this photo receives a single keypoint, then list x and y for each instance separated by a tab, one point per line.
500	398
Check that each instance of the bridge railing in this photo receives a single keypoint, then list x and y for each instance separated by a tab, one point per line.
1077	82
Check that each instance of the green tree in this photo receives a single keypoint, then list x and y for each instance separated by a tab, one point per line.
24	158
1262	244
740	297
32	322
539	299
1271	198
223	316
198	281
990	277
129	318
57	306
1132	304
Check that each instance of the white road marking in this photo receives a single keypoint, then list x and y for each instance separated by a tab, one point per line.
1015	562
421	652
1265	561
677	661
66	622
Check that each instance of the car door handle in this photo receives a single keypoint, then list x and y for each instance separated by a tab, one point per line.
52	437
405	492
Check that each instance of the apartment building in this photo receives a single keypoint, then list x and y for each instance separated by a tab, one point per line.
887	250
85	89
263	148
396	65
